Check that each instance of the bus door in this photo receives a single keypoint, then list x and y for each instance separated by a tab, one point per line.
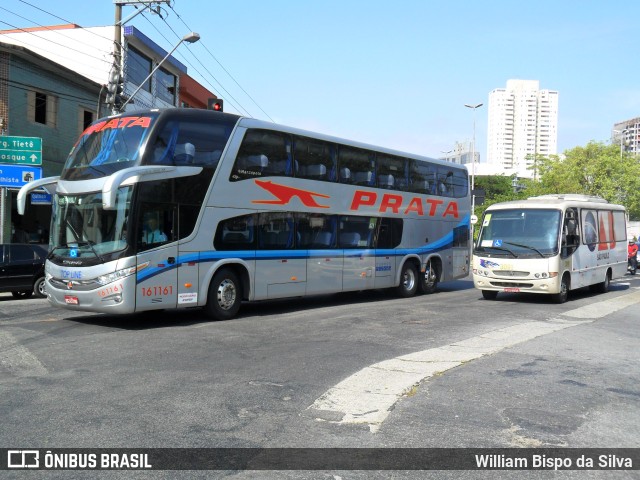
157	283
461	251
389	237
317	234
355	238
281	270
571	254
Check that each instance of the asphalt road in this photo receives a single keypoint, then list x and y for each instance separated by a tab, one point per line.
323	372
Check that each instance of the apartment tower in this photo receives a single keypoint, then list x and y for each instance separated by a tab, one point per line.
523	123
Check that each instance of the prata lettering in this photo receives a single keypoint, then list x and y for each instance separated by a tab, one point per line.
393	203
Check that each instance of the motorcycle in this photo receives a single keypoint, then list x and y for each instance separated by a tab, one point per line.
632	265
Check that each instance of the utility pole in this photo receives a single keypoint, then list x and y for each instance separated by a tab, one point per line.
115	86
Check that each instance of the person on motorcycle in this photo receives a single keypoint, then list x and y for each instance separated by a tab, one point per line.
632	251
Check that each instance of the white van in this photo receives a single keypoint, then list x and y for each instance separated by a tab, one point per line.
550	244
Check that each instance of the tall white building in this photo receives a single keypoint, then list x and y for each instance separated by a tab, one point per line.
523	123
627	135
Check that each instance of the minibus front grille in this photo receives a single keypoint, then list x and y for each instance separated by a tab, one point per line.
512	284
510	273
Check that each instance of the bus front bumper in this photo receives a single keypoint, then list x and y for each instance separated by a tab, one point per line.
117	297
548	285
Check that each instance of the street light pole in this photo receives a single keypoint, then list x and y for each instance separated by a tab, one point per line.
190	38
621	133
473	162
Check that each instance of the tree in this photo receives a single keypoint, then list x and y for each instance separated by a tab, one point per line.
596	169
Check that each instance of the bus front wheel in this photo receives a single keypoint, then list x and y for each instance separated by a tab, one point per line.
225	295
489	294
408	280
563	294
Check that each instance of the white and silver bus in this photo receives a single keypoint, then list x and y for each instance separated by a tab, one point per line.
182	208
550	244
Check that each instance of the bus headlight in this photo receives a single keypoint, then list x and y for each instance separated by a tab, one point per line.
120	274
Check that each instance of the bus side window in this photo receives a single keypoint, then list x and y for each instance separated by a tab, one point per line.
235	234
314	159
262	153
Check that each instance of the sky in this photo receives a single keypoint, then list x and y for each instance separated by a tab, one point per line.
391	73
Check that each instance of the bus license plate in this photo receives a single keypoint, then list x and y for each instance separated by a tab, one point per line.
70	300
512	289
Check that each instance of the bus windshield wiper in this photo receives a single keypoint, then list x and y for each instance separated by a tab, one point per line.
527	246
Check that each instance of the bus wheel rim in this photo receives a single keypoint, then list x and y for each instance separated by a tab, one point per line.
409	280
226	294
430	275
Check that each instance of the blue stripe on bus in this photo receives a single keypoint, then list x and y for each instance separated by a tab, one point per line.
443	243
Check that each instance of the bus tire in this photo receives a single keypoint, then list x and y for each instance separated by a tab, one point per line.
603	287
408	280
563	294
225	295
489	294
429	279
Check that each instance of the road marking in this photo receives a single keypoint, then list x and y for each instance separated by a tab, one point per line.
17	360
367	396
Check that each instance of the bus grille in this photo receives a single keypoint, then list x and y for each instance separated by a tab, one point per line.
510	273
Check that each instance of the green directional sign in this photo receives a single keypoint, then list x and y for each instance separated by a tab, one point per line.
21	150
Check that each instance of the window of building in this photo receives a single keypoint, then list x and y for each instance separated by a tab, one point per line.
42	108
85	118
166	86
138	68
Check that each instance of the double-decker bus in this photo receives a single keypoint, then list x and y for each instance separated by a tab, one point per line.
550	244
178	208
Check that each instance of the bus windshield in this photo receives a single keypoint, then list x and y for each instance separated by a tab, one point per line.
520	232
107	146
83	230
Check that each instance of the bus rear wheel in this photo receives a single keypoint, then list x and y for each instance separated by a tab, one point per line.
225	295
408	281
429	279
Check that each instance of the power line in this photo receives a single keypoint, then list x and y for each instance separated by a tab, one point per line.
222	66
238	107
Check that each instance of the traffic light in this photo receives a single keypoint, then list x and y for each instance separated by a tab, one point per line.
215	104
115	89
112	86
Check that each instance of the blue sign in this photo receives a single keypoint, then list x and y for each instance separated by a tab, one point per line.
18	175
40	199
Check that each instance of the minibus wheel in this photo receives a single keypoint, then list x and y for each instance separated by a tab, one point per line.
225	295
563	294
603	287
489	294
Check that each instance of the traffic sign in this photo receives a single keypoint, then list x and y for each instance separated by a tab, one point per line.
21	150
18	175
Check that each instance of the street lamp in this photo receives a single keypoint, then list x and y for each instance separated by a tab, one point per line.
473	162
190	38
622	134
